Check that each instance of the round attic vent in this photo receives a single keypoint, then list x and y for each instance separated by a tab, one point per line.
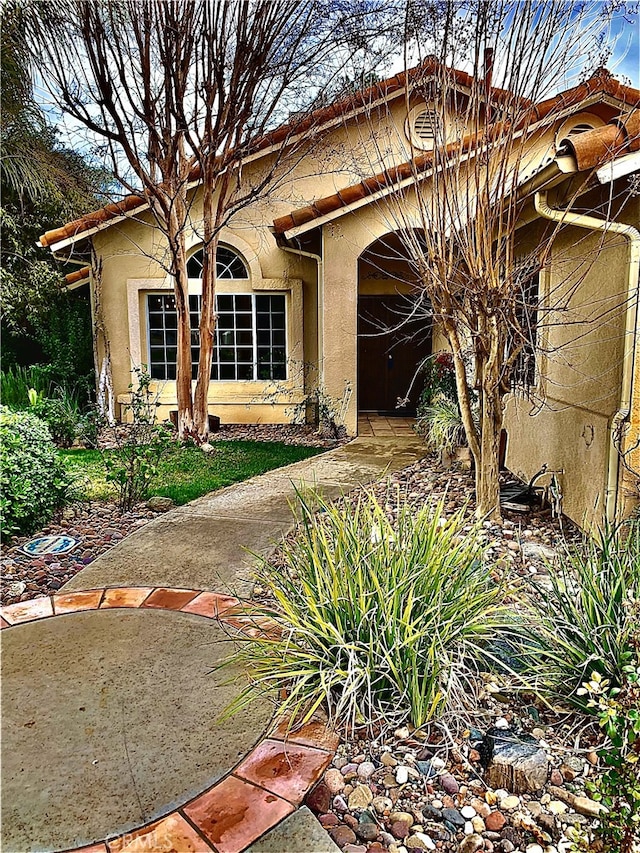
422	127
576	125
580	128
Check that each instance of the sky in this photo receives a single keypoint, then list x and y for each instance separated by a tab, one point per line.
624	63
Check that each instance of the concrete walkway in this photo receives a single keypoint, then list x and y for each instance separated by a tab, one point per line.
111	731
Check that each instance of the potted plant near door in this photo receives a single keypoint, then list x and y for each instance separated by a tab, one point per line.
438	415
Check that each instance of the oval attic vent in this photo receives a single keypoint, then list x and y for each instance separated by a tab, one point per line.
424	126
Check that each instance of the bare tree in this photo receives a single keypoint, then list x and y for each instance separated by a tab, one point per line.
458	217
184	93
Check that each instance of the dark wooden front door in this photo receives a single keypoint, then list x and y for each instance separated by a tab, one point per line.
389	350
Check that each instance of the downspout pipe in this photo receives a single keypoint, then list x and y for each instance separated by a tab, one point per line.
631	335
320	276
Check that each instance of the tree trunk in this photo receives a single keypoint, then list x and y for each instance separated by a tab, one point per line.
207	311
183	369
488	371
488	465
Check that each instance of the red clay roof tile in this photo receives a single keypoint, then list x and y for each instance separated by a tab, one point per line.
78	275
596	147
602	81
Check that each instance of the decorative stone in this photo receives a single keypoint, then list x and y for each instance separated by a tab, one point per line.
334	780
405	817
471	844
402	733
516	763
556	777
478	824
15	588
382	804
557	807
160	503
329	819
367	831
399	829
428	843
454	817
495	821
482	808
366	769
340	804
548	823
583	805
342	835
468	812
360	797
449	783
587	807
402	775
388	760
319	800
508	804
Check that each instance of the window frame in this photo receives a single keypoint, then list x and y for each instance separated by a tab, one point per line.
253	295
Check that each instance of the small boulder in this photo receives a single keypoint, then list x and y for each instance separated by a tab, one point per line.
160	503
514	762
319	799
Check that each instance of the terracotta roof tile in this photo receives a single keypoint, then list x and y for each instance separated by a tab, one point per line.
78	275
596	147
602	81
91	220
592	148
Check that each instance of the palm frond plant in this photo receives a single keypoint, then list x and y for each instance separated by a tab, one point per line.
582	616
377	620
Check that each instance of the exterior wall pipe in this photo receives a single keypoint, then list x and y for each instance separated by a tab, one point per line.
320	279
632	333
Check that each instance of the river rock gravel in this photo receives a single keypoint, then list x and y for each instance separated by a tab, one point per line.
97	525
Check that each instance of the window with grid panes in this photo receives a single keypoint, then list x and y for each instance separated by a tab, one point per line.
250	336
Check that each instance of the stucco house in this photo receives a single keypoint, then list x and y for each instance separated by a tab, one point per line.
311	279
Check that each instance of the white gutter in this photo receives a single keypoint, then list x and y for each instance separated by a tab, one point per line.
320	319
632	331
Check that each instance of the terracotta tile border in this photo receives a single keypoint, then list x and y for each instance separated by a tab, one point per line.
266	786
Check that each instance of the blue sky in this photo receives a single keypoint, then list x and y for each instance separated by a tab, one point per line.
626	59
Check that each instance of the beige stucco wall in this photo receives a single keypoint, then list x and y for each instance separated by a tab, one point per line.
131	268
566	423
322	314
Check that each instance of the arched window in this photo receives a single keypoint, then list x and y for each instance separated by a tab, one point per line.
250	332
229	265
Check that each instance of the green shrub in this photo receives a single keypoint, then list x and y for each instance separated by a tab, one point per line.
33	480
582	617
618	788
377	619
441	424
133	463
62	416
439	379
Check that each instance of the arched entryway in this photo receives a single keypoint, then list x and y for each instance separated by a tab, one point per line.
394	330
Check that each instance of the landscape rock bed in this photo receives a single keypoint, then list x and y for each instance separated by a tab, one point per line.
98	525
297	434
407	790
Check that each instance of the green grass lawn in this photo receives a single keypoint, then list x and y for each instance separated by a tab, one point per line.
185	472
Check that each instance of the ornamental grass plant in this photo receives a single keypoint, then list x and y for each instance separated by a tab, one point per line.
378	620
581	618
